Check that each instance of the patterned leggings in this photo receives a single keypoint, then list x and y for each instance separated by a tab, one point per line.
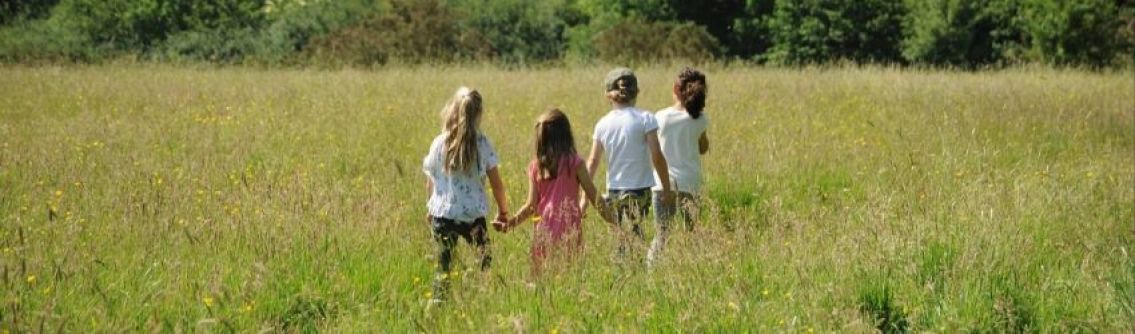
446	232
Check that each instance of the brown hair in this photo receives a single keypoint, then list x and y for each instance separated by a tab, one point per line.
691	89
553	142
624	93
462	116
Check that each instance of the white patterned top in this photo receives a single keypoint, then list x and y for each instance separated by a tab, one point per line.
459	196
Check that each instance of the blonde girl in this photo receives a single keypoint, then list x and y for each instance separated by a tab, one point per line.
459	160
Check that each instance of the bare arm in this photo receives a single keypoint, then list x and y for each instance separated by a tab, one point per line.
592	167
591	194
593	158
658	160
703	144
660	166
498	192
528	209
429	192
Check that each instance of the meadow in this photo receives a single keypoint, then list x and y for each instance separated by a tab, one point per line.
153	198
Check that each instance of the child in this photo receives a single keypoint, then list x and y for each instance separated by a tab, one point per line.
456	165
628	137
555	177
681	133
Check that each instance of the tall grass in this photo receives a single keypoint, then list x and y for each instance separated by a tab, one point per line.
138	198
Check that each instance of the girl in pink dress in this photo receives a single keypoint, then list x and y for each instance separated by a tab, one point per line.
555	177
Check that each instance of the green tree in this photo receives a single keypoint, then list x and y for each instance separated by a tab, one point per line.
1072	32
966	33
816	31
517	31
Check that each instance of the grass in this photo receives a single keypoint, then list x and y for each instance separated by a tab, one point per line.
139	198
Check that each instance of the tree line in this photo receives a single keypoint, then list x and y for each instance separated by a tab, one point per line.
954	33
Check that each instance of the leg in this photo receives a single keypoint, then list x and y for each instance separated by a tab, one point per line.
662	217
446	240
480	238
690	210
638	208
611	200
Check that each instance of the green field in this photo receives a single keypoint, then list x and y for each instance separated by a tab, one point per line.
140	198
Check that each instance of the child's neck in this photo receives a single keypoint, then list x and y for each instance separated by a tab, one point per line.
622	105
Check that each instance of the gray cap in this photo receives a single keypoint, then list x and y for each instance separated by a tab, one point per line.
628	78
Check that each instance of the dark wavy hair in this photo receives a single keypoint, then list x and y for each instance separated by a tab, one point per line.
691	89
553	142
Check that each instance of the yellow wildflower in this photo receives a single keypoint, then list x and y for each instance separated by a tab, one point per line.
208	301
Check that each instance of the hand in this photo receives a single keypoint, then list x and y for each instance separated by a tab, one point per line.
606	213
500	223
500	226
583	209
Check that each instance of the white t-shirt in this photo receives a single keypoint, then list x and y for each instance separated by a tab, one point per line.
623	135
678	134
459	195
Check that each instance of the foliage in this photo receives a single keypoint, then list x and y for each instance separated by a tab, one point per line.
816	31
412	31
965	33
635	40
13	10
1072	32
957	33
517	31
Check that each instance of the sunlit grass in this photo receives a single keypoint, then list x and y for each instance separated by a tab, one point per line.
843	200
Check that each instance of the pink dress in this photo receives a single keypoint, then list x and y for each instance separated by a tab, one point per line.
558	207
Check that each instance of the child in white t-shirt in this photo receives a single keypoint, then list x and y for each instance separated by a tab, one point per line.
459	160
682	135
628	137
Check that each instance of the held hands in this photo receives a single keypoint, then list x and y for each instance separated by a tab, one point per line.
605	212
501	223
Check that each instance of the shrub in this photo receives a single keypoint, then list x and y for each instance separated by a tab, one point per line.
50	40
635	40
1072	32
749	35
14	10
412	32
517	31
965	33
817	31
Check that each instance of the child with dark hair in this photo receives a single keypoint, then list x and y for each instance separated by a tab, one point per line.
682	135
555	177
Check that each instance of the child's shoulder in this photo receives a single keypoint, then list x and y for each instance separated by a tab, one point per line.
482	139
438	140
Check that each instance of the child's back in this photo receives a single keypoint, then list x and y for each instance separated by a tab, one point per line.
623	135
557	198
556	205
678	134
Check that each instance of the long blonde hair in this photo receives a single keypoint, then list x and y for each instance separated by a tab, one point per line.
462	116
